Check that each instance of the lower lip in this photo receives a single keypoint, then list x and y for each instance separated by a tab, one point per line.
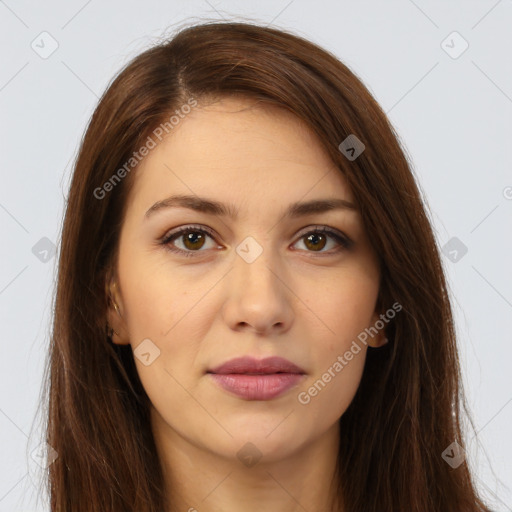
257	387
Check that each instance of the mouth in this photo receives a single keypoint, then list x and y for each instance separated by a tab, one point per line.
252	379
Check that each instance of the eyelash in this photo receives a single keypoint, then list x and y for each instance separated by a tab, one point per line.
344	242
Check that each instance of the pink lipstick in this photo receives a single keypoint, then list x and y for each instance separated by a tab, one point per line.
253	379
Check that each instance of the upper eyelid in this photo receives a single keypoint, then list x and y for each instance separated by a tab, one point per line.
189	227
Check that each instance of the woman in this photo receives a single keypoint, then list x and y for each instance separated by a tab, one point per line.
251	312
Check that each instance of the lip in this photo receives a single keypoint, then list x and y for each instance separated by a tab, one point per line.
254	379
247	364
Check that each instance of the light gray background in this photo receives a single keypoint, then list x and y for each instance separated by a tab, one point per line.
453	116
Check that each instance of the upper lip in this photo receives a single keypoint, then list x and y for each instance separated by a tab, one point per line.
249	364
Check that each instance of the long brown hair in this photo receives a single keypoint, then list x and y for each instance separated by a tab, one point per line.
408	407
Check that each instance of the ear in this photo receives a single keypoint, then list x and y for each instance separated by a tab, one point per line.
115	317
378	324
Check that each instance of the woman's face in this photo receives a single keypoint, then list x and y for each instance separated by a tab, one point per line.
260	280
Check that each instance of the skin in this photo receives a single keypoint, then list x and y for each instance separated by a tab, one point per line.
293	301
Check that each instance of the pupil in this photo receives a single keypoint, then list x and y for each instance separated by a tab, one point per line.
315	239
193	239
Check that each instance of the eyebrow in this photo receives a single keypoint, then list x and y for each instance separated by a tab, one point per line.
211	207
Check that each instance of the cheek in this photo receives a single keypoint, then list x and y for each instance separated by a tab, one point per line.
345	307
158	300
170	309
338	367
329	392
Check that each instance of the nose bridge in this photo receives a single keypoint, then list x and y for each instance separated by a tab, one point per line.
255	266
257	297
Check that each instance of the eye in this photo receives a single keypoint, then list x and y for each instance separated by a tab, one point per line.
315	240
188	240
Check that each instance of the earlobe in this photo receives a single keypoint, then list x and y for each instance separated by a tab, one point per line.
380	338
116	328
379	341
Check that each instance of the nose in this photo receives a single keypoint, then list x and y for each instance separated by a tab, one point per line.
258	297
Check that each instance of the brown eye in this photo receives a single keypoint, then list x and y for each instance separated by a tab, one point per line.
315	241
189	240
193	240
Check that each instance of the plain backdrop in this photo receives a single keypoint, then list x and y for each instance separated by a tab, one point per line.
441	70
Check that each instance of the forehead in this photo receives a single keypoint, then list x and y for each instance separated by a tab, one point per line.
238	150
